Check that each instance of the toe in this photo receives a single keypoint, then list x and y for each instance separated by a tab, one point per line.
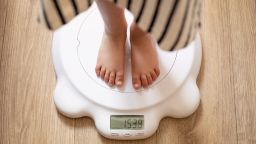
157	71
119	78
153	75
97	70
136	82
149	78
102	73
112	77
106	78
144	80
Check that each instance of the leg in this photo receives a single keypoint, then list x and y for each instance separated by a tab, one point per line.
145	68
110	61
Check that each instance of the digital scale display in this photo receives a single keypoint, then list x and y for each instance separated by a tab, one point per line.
127	122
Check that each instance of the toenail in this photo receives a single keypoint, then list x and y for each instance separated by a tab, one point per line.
136	85
119	83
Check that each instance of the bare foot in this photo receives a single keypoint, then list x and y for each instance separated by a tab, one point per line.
144	60
110	61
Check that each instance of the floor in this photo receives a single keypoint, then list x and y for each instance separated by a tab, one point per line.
227	82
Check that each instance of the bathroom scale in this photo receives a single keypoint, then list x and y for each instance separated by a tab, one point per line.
120	113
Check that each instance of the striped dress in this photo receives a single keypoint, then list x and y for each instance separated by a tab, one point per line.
173	23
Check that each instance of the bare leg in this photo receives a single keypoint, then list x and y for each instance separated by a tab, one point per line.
110	61
145	67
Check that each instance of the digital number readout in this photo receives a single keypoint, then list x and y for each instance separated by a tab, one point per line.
127	122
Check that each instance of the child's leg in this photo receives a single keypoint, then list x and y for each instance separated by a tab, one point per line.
113	16
110	65
145	67
110	62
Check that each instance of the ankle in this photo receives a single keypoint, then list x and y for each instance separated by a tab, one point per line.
137	33
116	30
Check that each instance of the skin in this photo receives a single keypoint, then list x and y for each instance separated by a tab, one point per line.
145	69
110	61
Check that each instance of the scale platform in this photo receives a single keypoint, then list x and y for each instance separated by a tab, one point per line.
120	113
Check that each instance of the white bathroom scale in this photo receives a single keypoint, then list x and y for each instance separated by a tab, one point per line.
120	113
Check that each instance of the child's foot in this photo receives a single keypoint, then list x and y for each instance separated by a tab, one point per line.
144	60
110	61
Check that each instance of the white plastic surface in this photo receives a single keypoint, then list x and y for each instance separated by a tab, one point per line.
79	92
